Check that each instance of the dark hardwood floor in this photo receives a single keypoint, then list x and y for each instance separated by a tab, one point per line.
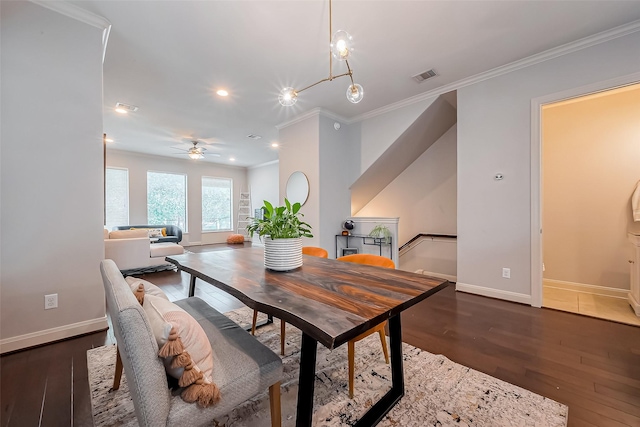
591	365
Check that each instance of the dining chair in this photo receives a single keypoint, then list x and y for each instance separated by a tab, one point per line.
306	250
378	261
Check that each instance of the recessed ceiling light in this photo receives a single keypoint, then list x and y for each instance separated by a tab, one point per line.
274	144
233	159
222	92
125	108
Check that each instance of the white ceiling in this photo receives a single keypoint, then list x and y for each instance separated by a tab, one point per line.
169	57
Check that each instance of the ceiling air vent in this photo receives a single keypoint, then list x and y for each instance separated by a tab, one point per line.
424	76
252	136
126	107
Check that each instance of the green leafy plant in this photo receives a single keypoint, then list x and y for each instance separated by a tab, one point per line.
282	222
381	231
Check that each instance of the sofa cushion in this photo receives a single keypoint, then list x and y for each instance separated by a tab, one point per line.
128	234
165	249
148	287
185	348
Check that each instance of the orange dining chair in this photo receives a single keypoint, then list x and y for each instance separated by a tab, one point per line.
378	261
315	251
306	250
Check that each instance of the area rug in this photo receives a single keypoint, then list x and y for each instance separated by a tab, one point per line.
438	392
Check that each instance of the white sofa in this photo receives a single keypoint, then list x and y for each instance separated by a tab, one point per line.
132	251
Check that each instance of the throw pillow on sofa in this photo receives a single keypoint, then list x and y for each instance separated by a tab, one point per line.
128	234
185	348
148	288
153	232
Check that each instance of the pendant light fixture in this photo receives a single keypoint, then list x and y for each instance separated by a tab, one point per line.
340	47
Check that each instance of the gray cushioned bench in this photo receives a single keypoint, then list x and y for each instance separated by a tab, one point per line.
243	367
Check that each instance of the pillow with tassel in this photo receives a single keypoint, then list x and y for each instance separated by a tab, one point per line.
185	348
140	287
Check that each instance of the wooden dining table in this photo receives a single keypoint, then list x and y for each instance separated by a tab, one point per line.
330	301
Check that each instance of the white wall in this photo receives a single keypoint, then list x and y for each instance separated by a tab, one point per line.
51	176
300	151
139	164
264	182
379	132
494	135
424	195
339	154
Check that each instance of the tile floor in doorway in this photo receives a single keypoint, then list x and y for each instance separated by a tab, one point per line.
604	307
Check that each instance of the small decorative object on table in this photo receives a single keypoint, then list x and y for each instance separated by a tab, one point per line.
284	231
381	232
348	225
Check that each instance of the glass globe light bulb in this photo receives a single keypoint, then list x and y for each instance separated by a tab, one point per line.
341	45
287	97
355	93
195	155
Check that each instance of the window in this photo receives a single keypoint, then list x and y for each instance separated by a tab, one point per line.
116	197
167	199
216	204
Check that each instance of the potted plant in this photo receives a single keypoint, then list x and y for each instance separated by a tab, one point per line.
381	232
283	231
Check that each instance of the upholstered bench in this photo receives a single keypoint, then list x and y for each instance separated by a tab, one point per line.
243	367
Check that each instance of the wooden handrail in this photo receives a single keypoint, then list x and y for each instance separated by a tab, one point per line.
417	236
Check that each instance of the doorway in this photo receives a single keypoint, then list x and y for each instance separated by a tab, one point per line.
588	164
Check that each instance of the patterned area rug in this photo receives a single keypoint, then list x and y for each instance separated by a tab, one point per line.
438	392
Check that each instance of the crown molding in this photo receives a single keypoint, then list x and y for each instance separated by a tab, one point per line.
555	52
79	14
272	162
75	12
312	113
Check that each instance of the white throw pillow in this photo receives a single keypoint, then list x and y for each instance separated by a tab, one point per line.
155	232
149	288
185	348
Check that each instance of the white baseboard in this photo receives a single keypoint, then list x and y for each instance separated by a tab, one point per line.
438	275
186	245
587	289
635	304
53	334
494	293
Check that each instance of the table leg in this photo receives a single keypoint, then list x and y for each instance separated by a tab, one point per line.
306	381
384	405
192	286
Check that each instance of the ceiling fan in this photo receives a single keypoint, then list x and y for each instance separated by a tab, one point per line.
196	152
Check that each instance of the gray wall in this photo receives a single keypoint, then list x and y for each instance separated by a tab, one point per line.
494	135
300	151
51	174
264	183
339	154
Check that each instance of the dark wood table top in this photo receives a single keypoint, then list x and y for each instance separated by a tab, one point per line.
331	301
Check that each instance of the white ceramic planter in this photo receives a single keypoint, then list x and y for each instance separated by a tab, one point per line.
282	254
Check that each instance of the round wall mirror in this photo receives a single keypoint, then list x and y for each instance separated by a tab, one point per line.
297	188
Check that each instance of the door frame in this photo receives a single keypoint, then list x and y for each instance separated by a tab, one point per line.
536	167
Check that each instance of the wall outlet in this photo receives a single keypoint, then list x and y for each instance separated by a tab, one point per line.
506	273
50	301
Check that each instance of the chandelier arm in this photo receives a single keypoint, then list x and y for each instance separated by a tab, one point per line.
316	83
350	73
330	55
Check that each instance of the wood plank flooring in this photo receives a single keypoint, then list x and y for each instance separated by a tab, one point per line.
591	365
